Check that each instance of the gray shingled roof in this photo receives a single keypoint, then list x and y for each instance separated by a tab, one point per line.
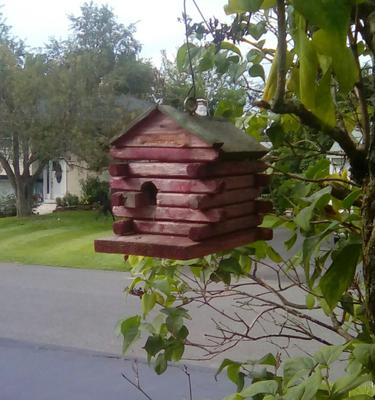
214	131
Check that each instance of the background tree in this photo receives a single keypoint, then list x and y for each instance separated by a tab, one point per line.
66	99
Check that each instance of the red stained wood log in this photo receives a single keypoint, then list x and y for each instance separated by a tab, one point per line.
165	154
231	168
237	210
117	199
166	227
228	197
237	182
198	233
123	227
205	201
170	214
178	248
263	206
262	180
169	185
171	170
118	169
135	199
174	138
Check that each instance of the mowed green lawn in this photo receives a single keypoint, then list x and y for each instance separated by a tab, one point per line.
63	239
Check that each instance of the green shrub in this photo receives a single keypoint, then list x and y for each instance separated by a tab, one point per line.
94	190
70	200
59	202
8	205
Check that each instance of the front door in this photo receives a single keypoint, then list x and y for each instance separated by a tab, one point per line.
54	180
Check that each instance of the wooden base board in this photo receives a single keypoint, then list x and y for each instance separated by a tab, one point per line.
178	248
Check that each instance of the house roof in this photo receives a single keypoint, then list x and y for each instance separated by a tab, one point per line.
217	132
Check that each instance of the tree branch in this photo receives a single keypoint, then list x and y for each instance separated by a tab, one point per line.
8	170
356	155
281	54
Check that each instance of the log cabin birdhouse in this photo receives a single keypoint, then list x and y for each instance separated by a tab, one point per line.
184	186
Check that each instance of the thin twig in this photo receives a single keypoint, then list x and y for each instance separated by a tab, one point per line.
187	373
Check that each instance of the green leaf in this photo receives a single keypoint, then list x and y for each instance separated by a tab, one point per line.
273	255
230	46
318	200
328	354
160	364
245	262
182	56
291	241
310	301
230	265
351	198
242	6
261	387
308	68
208	59
237	377
130	331
162	285
257	30
333	45
318	170
303	218
175	351
340	274
297	367
255	56
234	396
183	333
347	383
224	364
325	108
268	4
271	83
325	13
256	70
268	359
365	354
153	345
311	386
148	302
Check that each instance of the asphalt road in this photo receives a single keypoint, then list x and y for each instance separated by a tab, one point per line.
58	325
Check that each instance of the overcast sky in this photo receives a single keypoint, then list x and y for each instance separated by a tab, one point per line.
157	27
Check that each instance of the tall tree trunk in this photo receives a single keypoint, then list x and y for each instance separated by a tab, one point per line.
24	197
368	215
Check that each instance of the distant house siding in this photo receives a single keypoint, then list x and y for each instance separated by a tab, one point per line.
75	174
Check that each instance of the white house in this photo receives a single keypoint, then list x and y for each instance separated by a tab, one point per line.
59	177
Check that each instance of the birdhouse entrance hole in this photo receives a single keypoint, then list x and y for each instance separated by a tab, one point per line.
150	192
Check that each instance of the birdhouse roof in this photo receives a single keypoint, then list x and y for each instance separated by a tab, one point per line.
218	132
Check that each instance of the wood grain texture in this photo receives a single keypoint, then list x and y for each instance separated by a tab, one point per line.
164	154
228	168
170	214
161	138
117	199
170	170
178	248
199	233
118	170
170	185
165	227
205	201
123	227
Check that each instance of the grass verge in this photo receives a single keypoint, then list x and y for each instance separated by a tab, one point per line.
64	239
